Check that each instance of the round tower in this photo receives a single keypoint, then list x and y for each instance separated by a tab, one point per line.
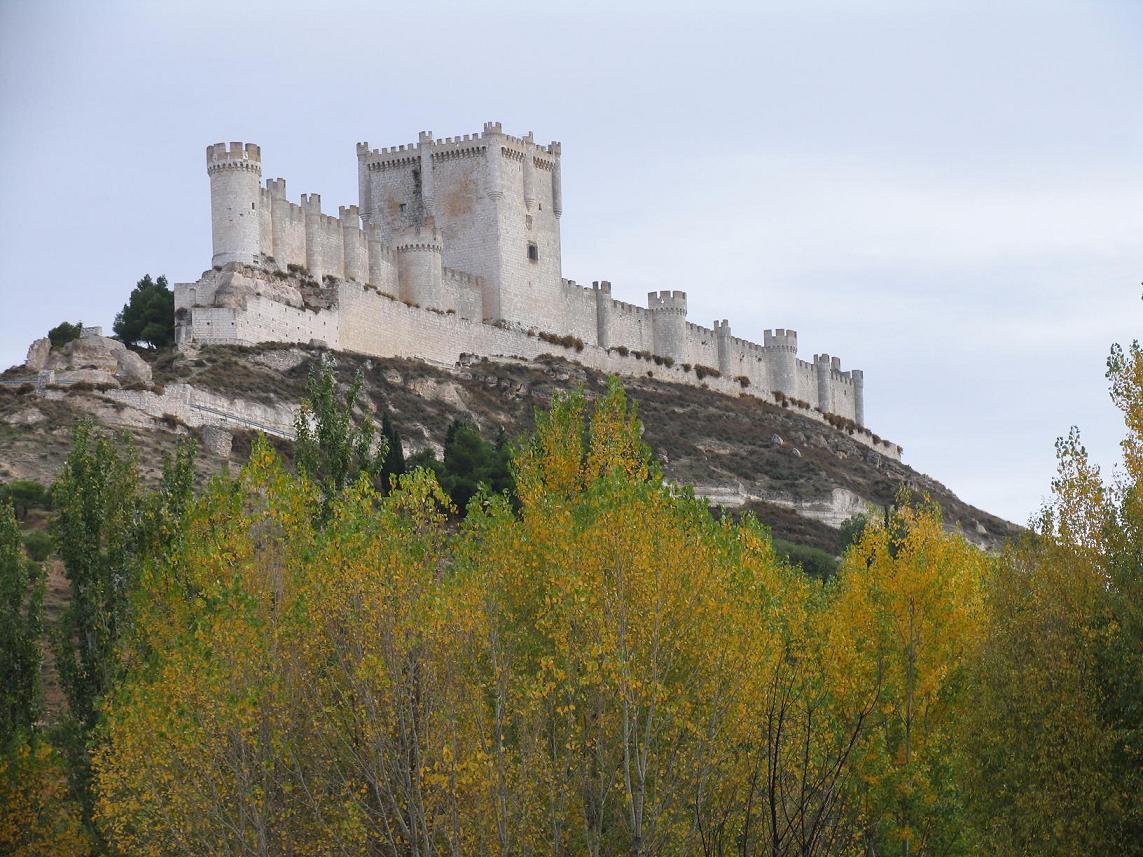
822	369
858	396
235	189
602	291
419	252
669	324
355	264
311	205
722	340
781	347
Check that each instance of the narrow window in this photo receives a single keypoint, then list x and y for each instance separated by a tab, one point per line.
403	208
533	252
528	221
251	206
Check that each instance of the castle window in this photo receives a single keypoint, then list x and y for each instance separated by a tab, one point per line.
533	252
251	206
403	207
528	221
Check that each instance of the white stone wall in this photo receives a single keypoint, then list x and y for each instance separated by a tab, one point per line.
701	347
631	327
368	322
579	313
462	294
748	359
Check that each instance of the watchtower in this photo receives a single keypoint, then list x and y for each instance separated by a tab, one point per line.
669	323
235	190
723	343
419	266
781	347
496	200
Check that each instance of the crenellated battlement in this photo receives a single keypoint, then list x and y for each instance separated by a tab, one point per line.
461	145
781	340
236	156
420	238
667	301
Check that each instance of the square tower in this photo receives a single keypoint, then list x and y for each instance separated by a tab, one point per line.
496	200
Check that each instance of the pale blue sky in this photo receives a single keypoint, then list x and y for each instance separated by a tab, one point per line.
947	195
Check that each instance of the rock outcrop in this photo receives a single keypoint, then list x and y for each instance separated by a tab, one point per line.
94	359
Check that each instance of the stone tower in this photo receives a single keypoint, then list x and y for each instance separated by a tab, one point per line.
235	191
419	250
496	200
781	349
669	324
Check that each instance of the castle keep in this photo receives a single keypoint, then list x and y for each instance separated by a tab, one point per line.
453	249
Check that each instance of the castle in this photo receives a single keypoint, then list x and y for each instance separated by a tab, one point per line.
454	249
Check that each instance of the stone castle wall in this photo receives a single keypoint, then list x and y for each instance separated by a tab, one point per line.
364	320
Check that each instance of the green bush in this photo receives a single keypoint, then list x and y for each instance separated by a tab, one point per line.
26	495
813	561
64	332
38	544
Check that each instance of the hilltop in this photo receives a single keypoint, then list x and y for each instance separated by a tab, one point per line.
801	477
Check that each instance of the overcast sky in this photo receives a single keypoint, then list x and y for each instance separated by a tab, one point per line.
947	195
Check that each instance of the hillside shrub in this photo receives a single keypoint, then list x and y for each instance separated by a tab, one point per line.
706	372
64	332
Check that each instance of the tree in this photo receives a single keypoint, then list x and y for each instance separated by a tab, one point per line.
1058	772
21	626
38	815
394	463
333	445
303	668
26	495
96	532
469	462
910	598
64	332
148	316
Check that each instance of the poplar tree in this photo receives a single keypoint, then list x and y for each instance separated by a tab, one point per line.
21	624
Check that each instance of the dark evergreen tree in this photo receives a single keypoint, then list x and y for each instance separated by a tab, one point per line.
149	315
64	332
394	463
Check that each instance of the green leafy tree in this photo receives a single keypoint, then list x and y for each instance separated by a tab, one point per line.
334	446
851	530
26	495
163	510
96	532
21	624
64	332
38	544
149	315
394	463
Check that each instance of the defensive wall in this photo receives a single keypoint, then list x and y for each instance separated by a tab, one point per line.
363	320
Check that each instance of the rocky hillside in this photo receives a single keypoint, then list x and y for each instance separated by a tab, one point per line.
799	476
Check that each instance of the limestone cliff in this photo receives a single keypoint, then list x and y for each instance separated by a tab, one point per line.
800	476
